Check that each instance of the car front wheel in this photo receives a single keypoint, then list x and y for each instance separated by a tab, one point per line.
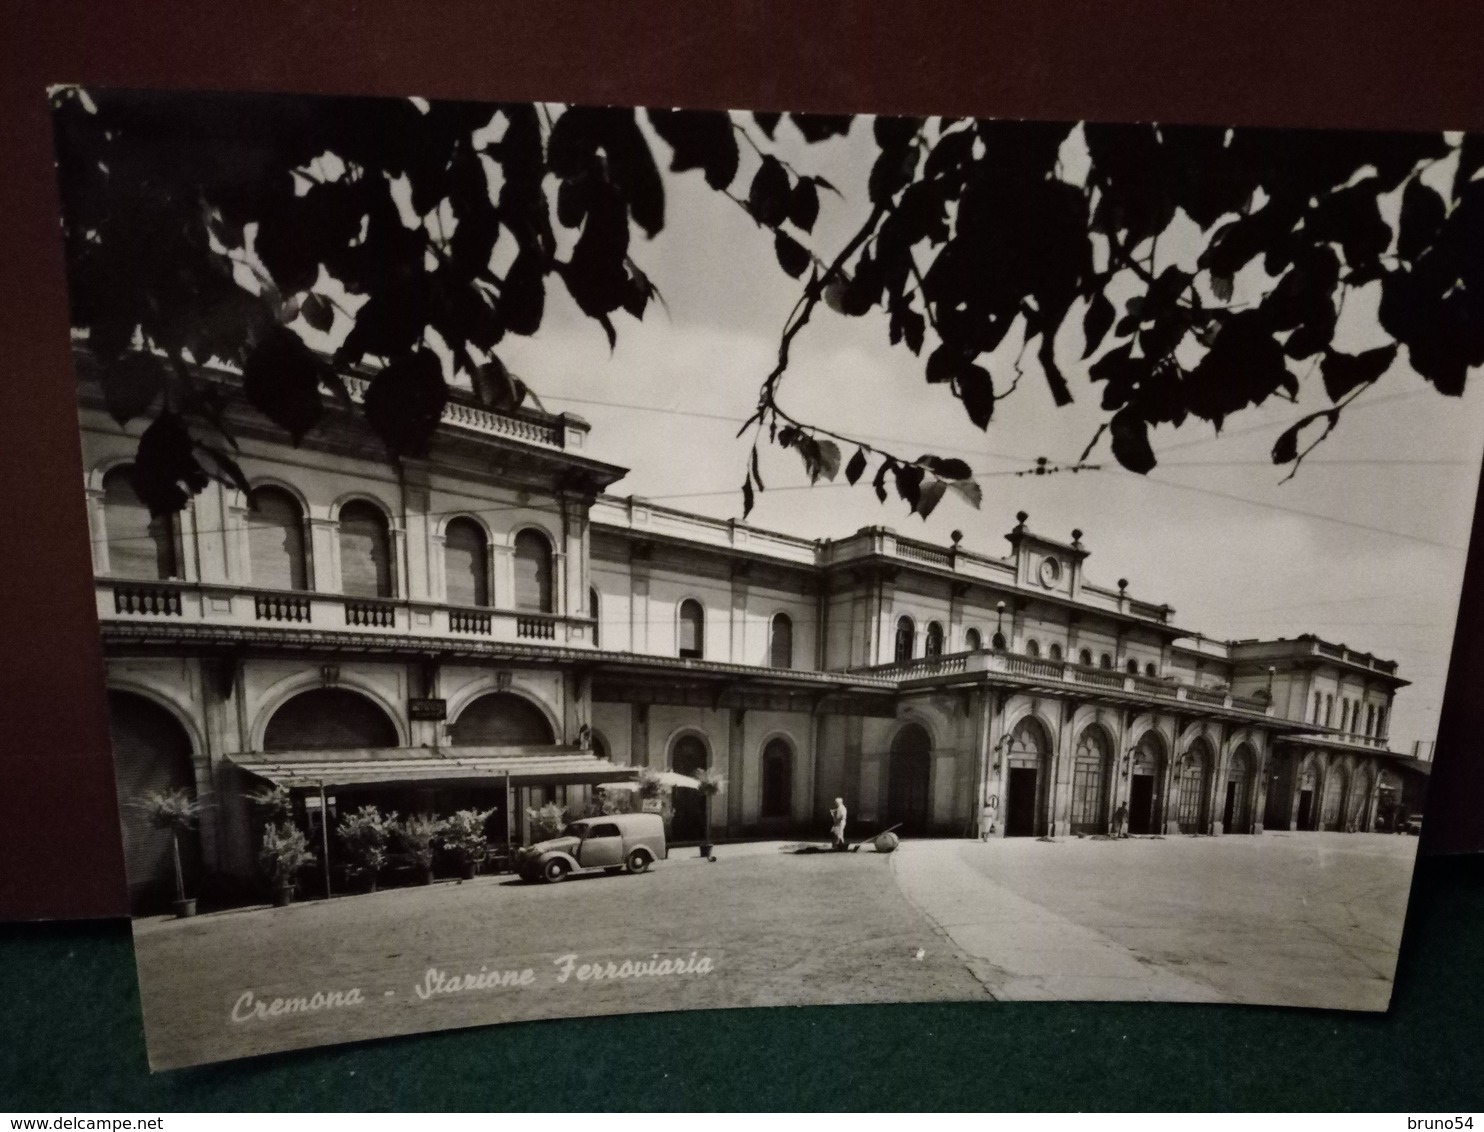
638	861
554	871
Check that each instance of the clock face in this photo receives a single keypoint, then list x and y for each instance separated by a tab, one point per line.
1050	572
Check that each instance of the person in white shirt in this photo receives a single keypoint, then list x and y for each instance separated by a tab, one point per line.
838	813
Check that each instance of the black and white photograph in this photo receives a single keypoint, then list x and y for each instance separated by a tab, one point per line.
559	560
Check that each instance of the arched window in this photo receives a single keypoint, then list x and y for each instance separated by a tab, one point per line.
1381	721
999	642
533	589
500	719
138	546
1105	661
329	719
365	551
1032	648
1054	652
777	779
1370	720
933	646
466	562
1329	710
972	640
275	540
1132	667
906	635
1084	658
1151	669
600	747
1318	708
692	628
1344	715
781	647
592	611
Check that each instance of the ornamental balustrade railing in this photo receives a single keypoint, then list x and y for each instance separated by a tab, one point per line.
1064	672
212	605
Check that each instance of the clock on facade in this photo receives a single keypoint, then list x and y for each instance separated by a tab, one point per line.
1050	572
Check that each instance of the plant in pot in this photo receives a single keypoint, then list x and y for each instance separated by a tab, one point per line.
710	784
365	833
547	822
463	833
284	852
177	812
418	835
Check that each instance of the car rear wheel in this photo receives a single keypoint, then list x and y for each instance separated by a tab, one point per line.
554	871
638	861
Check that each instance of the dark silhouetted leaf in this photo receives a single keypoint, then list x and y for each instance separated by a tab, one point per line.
701	139
131	384
767	121
947	468
319	312
803	205
1131	441
793	257
228	470
972	493
975	388
1345	372
1422	219
165	472
768	197
909	482
1097	322
927	499
857	466
281	379
819	127
1285	449
523	295
747	498
405	402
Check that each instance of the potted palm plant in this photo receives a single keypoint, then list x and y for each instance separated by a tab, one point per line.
178	812
710	784
418	835
463	832
365	834
284	852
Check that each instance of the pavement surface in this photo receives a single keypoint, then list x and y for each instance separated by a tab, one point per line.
1299	919
1294	919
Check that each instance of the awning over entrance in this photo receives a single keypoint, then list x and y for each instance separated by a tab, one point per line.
523	766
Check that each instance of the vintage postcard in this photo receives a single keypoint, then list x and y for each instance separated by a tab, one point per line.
561	561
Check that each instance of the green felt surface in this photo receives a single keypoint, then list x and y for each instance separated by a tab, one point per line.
71	1041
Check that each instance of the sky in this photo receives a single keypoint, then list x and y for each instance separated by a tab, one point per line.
1365	545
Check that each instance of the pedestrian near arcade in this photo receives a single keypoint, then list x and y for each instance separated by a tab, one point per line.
838	814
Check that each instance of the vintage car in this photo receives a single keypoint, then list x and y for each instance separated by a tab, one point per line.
614	842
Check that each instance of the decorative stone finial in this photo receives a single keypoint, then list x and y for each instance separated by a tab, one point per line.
1122	584
1022	516
956	536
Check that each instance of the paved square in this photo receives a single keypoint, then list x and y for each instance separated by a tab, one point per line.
1301	919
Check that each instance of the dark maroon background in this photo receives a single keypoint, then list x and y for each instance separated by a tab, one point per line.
1273	62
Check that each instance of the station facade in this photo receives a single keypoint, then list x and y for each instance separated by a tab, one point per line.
491	627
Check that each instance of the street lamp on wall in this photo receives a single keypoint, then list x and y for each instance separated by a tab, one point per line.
999	625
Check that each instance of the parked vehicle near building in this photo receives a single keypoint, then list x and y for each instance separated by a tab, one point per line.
615	842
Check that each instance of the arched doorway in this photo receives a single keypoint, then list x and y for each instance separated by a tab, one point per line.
1145	775
329	719
1360	802
1308	784
907	775
500	719
1236	812
1091	774
1277	811
1195	777
1026	778
152	753
688	755
777	780
1332	813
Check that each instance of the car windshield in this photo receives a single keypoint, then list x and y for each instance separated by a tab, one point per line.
576	829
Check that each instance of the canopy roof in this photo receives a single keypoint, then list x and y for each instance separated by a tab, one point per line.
550	765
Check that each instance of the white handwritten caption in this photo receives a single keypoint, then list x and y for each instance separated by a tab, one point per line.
436	983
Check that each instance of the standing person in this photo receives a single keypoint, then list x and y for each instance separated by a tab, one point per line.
1120	820
838	814
986	819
